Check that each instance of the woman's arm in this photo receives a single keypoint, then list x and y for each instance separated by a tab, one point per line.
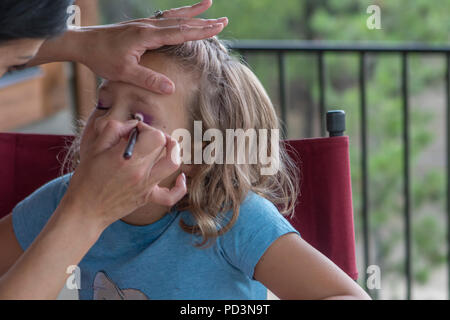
10	249
104	188
114	51
41	272
293	269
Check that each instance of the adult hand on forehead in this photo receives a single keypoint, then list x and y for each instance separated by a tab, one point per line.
114	51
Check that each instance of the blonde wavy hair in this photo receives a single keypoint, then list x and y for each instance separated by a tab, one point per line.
228	96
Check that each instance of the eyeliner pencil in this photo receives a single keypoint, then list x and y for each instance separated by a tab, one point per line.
131	143
132	140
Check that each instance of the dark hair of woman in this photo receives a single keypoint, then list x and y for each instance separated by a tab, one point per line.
36	19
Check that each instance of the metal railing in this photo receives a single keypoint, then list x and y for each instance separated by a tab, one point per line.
280	48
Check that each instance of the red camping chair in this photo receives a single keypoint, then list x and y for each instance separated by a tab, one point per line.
323	216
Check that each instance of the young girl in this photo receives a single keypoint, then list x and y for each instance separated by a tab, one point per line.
226	239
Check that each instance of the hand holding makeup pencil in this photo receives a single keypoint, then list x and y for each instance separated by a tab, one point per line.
123	185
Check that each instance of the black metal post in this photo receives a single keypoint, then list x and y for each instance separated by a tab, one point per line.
447	90
321	76
244	56
282	91
364	170
321	49
406	175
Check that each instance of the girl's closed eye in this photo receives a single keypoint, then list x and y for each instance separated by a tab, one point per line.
100	106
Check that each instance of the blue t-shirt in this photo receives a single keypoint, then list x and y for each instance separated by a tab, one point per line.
159	260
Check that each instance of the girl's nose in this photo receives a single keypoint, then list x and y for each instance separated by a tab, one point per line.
114	113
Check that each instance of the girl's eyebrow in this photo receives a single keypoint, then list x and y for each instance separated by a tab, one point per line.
144	100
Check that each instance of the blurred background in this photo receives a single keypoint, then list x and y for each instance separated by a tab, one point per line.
313	56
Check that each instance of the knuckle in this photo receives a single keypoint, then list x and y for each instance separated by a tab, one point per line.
174	162
175	157
152	80
171	201
111	125
184	27
137	177
141	201
99	125
141	29
147	196
121	68
158	137
167	200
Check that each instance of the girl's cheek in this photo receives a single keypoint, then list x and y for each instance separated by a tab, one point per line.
88	135
83	146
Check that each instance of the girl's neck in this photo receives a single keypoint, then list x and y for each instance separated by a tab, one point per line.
146	215
151	212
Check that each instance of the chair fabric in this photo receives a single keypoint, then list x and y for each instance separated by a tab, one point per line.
27	161
324	211
323	215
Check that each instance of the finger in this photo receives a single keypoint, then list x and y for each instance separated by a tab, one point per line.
188	11
112	132
182	33
168	164
166	197
177	21
150	142
148	79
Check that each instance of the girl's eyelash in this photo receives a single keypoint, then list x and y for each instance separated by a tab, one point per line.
100	107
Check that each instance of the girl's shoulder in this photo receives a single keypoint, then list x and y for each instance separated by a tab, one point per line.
257	207
254	201
257	226
256	213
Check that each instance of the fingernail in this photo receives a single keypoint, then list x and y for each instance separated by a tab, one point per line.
166	87
184	177
214	26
